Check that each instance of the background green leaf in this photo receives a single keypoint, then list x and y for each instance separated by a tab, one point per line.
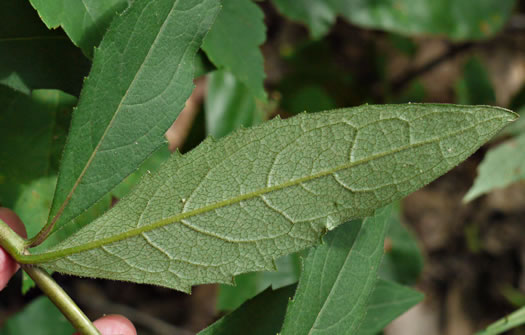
228	105
234	40
85	22
33	131
32	57
501	167
250	284
403	261
458	20
337	279
213	213
262	315
475	87
40	317
130	98
388	301
510	321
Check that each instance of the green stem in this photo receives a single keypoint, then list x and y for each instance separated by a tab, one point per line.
60	298
11	241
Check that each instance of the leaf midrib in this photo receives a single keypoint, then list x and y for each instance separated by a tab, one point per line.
52	255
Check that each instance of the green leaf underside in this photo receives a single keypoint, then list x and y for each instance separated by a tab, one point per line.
85	22
501	167
386	303
459	20
235	205
262	315
233	43
141	77
338	278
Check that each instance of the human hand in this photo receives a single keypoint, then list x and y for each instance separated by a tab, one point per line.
107	325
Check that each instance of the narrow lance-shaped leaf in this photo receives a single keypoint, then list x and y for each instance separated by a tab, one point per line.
141	76
338	278
262	315
235	205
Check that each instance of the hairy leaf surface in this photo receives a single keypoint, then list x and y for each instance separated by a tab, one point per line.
235	205
234	40
85	21
141	77
338	278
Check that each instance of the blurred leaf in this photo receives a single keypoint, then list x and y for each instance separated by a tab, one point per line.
319	16
40	317
415	92
502	166
459	20
388	301
131	97
510	321
337	279
228	105
233	43
309	98
518	100
262	315
517	127
250	284
31	136
475	87
403	261
326	77
85	22
402	43
32	57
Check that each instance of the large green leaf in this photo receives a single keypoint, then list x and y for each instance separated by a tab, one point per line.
387	302
337	279
262	315
228	105
33	57
141	77
234	40
501	167
235	205
40	317
85	22
459	20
